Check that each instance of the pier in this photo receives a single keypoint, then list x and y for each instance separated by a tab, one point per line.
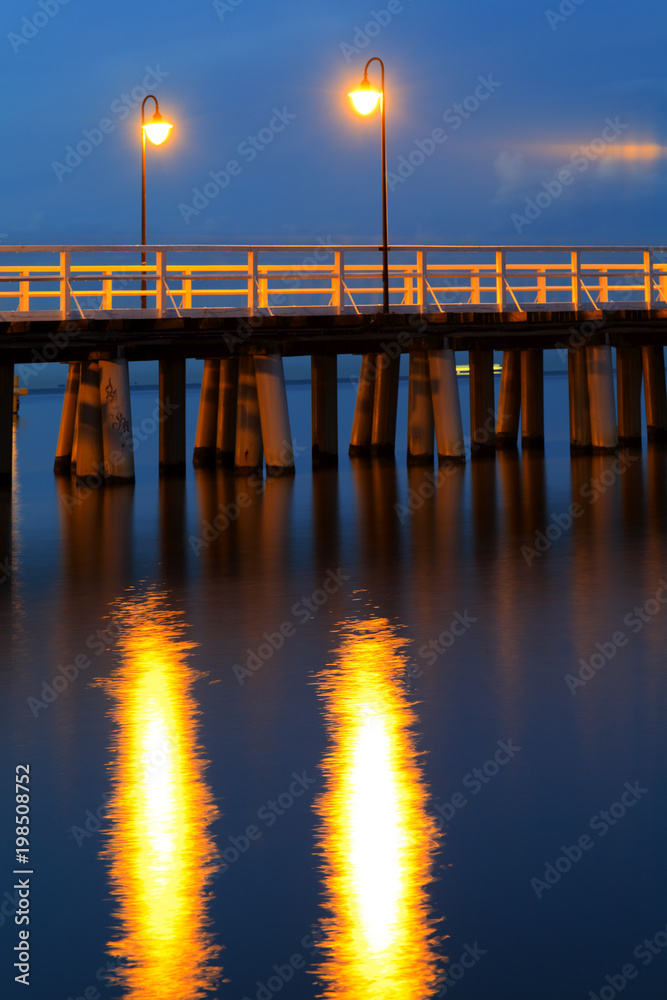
242	309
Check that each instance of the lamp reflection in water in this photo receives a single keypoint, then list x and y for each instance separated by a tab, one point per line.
376	838
159	849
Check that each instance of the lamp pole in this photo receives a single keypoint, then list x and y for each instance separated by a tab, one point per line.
365	89
157	131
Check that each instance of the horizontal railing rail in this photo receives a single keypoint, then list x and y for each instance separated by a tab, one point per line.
85	281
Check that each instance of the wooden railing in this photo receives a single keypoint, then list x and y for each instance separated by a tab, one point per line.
66	282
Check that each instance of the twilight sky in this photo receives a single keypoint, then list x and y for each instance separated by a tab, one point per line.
543	93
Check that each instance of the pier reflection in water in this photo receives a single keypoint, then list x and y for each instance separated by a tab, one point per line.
414	548
376	839
160	851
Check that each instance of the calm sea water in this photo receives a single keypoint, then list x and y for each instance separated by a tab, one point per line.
361	732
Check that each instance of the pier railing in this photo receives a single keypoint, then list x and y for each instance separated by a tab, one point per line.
69	282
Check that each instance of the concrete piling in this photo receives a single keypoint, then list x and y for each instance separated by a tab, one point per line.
227	403
532	399
324	409
629	391
655	397
604	431
63	459
117	439
207	419
362	422
509	401
446	406
385	403
6	423
89	446
482	421
248	456
580	418
420	411
274	414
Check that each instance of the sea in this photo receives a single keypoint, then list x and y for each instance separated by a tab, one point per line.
369	733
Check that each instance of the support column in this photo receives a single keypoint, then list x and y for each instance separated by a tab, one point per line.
509	401
248	456
580	415
89	447
273	414
63	461
116	421
227	402
207	419
446	406
629	391
362	422
655	399
482	418
532	399
172	416
324	408
420	411
604	432
6	423
385	403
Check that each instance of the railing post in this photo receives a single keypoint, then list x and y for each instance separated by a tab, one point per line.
604	287
107	289
263	291
252	282
338	278
474	286
501	295
576	277
422	293
160	281
65	291
24	291
648	278
186	291
541	286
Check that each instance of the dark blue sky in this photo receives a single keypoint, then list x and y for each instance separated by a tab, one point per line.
547	79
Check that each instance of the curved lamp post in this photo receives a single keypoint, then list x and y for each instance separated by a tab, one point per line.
365	99
157	131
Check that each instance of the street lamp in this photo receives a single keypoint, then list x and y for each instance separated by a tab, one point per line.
365	100
157	131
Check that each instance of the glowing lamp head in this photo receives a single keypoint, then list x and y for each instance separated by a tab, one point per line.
365	98
157	130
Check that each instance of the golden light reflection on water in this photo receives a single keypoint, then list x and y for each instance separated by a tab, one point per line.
376	838
159	848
